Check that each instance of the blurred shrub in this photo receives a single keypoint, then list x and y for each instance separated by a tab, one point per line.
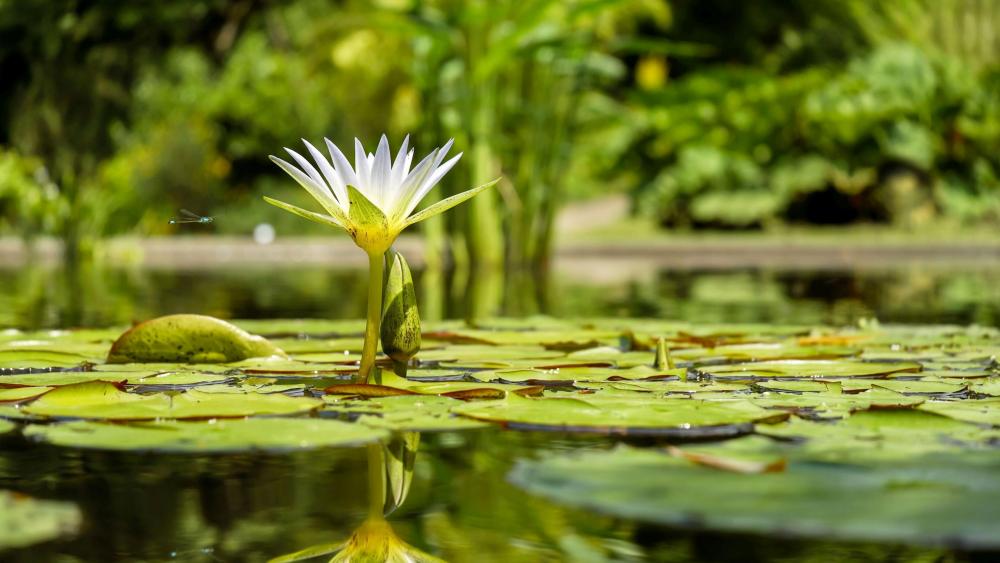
898	135
29	201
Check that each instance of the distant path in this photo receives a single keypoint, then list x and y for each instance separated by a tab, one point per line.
197	252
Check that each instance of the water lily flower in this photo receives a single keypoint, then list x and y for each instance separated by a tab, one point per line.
373	201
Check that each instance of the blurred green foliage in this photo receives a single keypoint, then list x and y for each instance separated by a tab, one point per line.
904	129
117	113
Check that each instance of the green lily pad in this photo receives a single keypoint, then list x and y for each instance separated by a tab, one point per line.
616	415
6	426
180	378
813	368
479	354
188	339
100	400
60	378
882	434
25	521
929	500
413	413
390	384
20	394
985	411
832	404
271	434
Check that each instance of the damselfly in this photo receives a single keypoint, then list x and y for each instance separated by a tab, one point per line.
190	217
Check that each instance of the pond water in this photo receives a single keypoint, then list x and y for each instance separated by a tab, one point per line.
145	507
40	297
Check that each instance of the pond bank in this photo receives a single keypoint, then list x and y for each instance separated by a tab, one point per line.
713	252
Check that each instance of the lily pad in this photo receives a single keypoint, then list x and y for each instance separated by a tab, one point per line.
414	413
929	500
100	400
20	394
814	368
271	434
189	339
615	415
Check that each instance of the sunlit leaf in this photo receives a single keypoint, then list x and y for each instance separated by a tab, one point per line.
272	434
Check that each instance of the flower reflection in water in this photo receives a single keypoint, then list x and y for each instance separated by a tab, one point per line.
390	472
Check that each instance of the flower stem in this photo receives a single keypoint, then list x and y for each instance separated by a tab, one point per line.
376	264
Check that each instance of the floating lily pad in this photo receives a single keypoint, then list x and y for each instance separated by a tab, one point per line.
410	413
100	400
20	394
832	404
390	384
188	339
814	368
180	378
616	415
25	521
282	434
882	434
6	426
928	500
985	411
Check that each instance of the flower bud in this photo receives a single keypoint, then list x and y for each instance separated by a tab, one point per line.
400	329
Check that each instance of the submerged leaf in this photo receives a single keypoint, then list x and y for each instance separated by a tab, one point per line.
25	521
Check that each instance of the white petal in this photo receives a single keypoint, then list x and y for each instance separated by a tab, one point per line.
381	174
308	168
362	167
344	170
412	183
332	178
443	152
398	171
430	182
319	193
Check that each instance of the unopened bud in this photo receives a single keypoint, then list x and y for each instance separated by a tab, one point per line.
400	319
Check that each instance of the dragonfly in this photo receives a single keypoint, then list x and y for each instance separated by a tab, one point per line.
191	217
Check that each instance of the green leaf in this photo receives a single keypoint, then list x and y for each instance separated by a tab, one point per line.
306	214
813	368
939	499
19	394
447	203
188	338
617	415
105	401
271	434
408	413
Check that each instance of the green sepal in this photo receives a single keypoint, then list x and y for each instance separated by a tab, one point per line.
368	225
448	203
310	552
312	216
